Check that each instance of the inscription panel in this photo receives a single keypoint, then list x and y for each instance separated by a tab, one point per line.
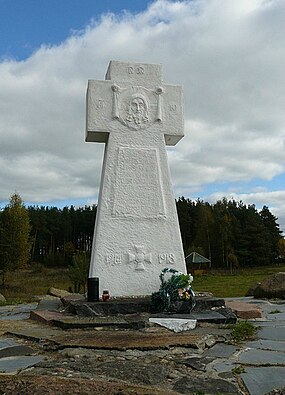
138	186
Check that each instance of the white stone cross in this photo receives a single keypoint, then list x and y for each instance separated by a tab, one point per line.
136	232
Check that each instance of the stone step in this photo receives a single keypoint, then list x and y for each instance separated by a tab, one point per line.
244	310
136	305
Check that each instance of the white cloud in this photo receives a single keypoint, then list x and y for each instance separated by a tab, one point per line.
230	58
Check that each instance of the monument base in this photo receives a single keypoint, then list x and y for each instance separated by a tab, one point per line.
137	305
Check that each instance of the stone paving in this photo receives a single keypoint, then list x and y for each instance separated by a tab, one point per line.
201	360
264	359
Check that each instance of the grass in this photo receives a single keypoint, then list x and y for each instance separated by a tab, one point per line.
22	285
243	330
275	311
223	284
238	370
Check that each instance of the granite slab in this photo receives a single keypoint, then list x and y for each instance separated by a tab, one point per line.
265	344
16	363
261	380
261	357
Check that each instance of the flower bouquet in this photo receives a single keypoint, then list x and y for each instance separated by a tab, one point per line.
175	293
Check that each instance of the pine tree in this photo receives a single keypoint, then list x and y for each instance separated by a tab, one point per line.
14	235
273	232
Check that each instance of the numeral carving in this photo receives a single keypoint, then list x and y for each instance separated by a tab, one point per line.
114	259
166	258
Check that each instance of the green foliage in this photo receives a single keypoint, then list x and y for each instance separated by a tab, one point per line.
242	331
238	370
14	235
22	285
54	260
78	271
281	248
222	284
39	268
275	312
60	232
168	293
231	234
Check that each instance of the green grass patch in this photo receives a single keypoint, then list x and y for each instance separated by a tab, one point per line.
243	330
275	312
22	285
238	370
222	284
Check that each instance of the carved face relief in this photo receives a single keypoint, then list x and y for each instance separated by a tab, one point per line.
136	107
137	116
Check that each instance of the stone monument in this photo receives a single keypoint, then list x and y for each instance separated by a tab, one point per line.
136	231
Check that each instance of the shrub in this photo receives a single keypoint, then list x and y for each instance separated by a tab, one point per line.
243	330
78	271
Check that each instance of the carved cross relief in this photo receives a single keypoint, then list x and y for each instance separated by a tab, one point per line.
140	257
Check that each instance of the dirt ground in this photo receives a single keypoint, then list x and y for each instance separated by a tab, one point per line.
46	385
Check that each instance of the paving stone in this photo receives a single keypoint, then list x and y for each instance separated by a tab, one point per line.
222	366
197	363
245	310
209	316
51	303
209	386
73	322
14	364
16	350
261	323
272	333
45	316
4	343
260	380
265	344
147	373
201	316
221	350
16	312
275	317
36	333
261	357
121	340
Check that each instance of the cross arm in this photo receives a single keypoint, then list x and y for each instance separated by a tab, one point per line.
173	114
98	110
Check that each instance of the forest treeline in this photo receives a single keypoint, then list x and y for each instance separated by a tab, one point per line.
229	233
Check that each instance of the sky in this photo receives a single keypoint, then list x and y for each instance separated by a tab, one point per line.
229	56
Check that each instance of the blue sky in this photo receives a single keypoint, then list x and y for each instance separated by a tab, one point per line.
27	24
229	57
